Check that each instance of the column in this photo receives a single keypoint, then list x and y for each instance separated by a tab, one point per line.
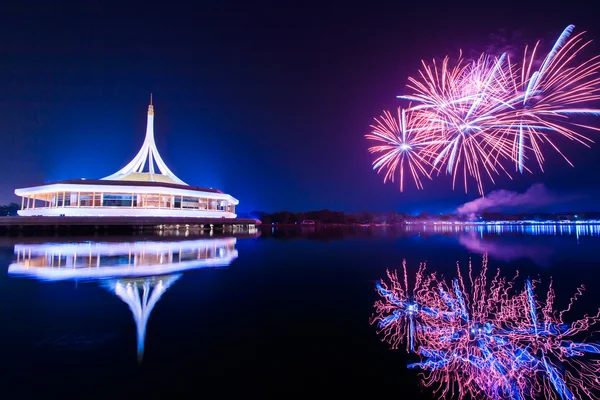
23	203
132	201
181	203
78	199
64	198
93	199
102	199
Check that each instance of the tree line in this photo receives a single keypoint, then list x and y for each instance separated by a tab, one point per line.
329	217
392	217
9	210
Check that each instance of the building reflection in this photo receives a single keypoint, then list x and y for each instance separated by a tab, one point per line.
102	260
139	273
141	295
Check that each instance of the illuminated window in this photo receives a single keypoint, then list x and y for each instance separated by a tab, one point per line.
117	200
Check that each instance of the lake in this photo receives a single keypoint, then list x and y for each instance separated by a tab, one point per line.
274	312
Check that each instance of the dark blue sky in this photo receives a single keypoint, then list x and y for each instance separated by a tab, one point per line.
267	101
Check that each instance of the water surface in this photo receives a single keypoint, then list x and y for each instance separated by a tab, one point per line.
282	312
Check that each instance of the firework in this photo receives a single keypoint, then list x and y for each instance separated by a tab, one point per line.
405	145
465	355
460	104
404	315
483	337
473	118
547	98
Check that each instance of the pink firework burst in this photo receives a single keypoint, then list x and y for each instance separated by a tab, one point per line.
473	119
406	147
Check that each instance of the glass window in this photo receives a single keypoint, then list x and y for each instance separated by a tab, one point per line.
151	200
85	200
165	201
117	200
190	202
72	199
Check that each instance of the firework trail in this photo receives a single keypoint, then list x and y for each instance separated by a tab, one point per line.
472	118
460	104
485	337
402	315
405	146
548	97
465	356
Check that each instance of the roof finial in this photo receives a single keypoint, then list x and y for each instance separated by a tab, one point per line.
150	107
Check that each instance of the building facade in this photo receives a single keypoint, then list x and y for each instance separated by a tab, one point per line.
131	191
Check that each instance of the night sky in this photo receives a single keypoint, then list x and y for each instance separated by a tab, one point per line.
266	101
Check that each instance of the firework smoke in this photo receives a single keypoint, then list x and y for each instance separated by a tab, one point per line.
536	196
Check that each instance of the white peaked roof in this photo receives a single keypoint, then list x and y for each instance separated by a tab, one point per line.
148	155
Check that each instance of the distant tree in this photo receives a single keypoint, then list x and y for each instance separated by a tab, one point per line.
9	210
284	217
424	216
365	217
444	217
350	219
301	217
258	214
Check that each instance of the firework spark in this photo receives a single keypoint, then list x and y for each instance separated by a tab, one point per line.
484	337
402	315
472	118
405	147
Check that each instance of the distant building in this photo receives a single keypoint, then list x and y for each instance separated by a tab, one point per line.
129	192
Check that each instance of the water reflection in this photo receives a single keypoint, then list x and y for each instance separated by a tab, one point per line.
581	229
141	295
333	231
480	334
101	260
540	244
506	249
139	273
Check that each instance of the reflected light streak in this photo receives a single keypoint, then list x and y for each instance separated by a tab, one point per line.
488	337
100	260
139	273
141	295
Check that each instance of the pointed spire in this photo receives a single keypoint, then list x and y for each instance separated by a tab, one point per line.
150	107
147	155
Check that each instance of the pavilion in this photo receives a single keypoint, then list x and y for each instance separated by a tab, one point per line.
129	192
